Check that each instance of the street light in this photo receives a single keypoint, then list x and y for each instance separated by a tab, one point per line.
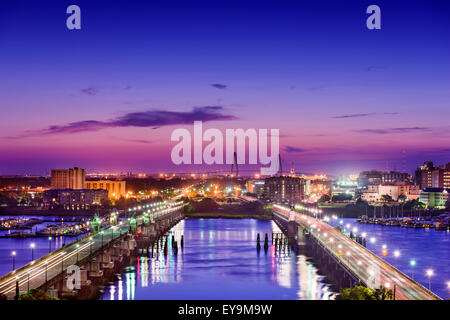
32	245
372	240
90	247
412	263
14	259
430	273
396	254
49	244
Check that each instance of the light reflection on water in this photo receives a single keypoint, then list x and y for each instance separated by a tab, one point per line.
220	261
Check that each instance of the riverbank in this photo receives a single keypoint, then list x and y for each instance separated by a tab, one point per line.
227	215
46	213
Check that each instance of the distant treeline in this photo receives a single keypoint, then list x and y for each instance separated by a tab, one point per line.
19	182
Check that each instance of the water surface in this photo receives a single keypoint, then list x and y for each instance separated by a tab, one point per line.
220	261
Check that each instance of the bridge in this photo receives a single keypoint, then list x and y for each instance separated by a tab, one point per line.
363	265
37	273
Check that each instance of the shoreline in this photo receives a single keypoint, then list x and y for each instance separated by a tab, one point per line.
221	215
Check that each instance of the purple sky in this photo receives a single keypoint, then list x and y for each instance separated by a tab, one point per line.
107	97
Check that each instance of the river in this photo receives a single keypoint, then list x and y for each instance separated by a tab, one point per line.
220	261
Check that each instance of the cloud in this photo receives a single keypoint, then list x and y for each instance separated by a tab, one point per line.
90	91
139	141
219	86
393	130
152	118
360	115
353	115
293	149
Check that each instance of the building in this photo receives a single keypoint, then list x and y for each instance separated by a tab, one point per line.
70	199
287	190
73	178
255	187
366	178
429	176
344	185
381	177
116	188
373	193
394	176
435	197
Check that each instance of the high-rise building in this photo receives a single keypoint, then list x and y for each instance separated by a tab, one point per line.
429	176
116	188
290	190
73	178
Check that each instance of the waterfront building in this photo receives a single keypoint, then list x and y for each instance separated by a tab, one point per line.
435	197
288	190
373	193
70	199
116	188
73	178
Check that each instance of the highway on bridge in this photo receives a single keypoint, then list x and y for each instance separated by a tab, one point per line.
370	269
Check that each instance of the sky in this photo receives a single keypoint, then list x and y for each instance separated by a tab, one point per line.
107	97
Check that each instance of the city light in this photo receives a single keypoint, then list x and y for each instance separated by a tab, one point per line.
397	253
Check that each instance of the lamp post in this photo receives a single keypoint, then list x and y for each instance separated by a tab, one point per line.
49	244
32	245
13	254
430	273
90	247
396	254
412	263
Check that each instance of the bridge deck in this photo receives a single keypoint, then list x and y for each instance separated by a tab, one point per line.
370	269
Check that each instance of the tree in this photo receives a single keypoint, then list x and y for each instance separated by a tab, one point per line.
106	204
324	198
363	293
401	198
383	294
188	208
35	294
357	293
386	198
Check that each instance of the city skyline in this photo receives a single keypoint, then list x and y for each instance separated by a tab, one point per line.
108	96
